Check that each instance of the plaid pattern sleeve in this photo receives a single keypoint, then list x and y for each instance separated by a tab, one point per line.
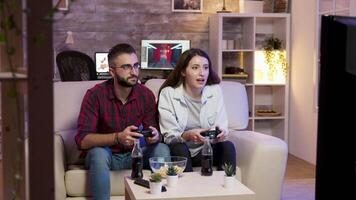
101	112
88	117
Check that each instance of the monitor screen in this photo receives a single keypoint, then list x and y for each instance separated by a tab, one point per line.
102	65
162	54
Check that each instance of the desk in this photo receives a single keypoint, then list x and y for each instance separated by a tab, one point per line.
192	186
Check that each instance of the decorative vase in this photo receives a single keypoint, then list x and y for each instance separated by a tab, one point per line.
172	181
155	187
229	181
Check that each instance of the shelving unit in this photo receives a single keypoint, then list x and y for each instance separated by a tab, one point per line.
234	40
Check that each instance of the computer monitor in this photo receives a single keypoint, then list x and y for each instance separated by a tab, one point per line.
336	143
162	54
102	65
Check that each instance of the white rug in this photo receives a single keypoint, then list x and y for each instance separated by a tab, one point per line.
298	189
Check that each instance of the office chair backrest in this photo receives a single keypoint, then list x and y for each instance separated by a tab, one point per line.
75	66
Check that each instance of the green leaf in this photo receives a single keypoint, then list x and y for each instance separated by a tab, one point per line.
1	6
9	22
2	38
12	93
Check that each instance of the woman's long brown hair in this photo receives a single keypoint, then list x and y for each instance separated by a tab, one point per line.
175	78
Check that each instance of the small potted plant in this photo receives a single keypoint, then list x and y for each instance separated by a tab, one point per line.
172	176
229	177
155	183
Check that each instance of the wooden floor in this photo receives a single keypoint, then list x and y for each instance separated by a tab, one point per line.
299	169
298	184
299	181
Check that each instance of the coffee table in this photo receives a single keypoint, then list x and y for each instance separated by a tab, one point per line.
192	186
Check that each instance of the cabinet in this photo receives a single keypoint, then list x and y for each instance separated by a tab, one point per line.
237	40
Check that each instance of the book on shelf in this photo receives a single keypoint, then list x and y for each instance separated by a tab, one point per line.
239	75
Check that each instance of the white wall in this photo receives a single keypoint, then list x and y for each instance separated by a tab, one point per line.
303	113
353	7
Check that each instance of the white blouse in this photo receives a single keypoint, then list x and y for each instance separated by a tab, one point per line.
173	111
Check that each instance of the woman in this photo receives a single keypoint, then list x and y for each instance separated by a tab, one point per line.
191	101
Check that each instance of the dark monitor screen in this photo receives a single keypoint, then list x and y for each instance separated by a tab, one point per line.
102	65
336	138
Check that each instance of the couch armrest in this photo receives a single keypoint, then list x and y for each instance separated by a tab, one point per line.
59	168
262	159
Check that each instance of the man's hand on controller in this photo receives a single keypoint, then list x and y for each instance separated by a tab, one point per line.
127	136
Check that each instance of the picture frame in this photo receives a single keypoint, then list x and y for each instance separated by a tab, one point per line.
281	6
187	5
63	5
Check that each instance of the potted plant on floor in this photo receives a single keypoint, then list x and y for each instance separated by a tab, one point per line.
155	183
172	176
229	177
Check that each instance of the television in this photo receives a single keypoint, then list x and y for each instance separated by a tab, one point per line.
162	54
102	65
336	143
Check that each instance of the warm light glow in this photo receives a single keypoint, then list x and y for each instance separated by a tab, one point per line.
69	38
273	73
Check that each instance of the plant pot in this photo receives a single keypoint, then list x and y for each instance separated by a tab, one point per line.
172	181
155	187
229	181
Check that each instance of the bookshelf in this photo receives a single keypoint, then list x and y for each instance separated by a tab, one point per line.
237	40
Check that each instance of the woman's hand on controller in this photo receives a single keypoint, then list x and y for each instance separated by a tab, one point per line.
155	138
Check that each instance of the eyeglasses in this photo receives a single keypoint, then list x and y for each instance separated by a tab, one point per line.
126	67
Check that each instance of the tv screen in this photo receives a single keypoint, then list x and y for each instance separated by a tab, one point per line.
102	65
336	143
162	54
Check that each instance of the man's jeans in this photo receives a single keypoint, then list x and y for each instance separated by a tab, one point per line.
100	161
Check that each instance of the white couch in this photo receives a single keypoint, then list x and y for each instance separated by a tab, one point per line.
261	158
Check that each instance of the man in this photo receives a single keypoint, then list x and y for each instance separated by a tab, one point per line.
110	114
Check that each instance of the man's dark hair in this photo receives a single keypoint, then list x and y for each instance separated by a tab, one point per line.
117	50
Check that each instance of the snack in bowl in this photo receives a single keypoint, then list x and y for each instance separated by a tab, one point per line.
161	164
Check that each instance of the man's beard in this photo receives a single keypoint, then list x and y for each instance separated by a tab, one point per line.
124	82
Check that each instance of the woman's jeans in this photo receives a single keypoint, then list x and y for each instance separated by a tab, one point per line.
223	152
100	161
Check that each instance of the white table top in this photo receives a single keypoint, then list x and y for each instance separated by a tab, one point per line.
192	186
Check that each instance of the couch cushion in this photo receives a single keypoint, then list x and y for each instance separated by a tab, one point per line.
77	184
71	150
68	97
89	198
154	85
235	98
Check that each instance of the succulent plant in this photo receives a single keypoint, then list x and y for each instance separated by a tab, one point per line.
229	169
156	177
172	171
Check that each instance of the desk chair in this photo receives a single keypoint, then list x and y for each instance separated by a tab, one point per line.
75	66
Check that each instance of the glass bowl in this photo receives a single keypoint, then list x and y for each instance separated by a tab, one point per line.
161	164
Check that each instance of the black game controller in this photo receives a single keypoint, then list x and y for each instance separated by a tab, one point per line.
211	133
145	133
